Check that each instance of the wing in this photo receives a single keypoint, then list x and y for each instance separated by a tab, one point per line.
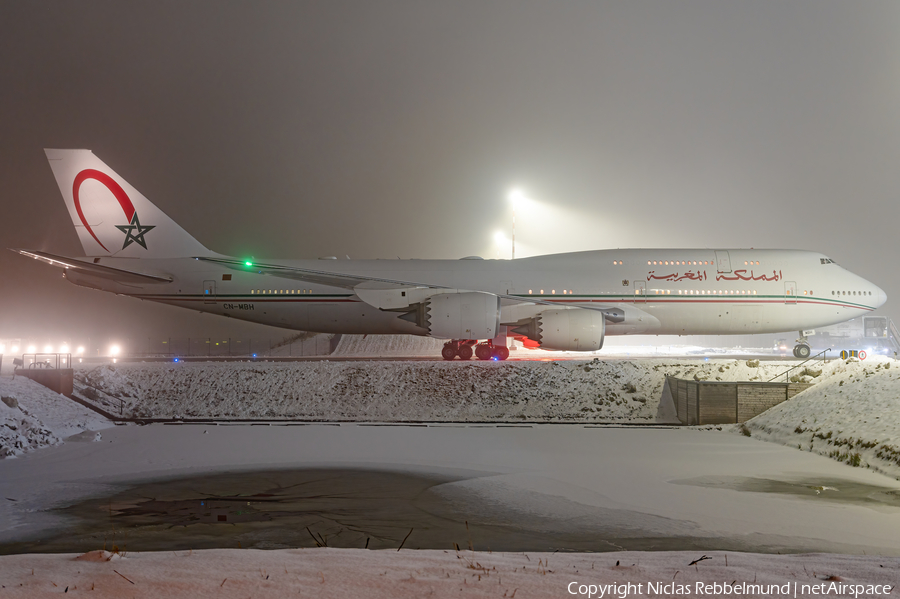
390	294
309	275
98	270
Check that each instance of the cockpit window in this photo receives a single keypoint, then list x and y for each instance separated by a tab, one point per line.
826	261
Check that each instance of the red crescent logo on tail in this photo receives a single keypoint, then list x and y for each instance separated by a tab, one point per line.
115	188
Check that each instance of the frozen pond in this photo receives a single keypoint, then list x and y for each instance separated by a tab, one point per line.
534	488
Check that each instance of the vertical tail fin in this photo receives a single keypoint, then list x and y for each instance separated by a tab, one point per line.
111	217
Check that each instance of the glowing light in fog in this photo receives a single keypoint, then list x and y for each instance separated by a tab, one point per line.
63	349
79	351
15	349
48	349
114	350
516	196
31	349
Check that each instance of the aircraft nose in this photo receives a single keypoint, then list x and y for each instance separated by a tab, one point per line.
882	297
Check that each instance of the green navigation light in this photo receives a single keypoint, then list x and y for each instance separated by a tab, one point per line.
248	263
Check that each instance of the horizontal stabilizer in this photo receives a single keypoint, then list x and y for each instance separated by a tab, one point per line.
98	270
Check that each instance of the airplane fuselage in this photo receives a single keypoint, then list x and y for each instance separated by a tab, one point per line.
660	291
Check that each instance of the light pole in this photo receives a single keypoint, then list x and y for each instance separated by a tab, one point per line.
515	196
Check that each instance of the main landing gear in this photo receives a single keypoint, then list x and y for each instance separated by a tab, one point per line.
802	350
463	348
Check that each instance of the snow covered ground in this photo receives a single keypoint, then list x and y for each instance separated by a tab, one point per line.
656	481
32	416
342	573
852	414
520	391
662	481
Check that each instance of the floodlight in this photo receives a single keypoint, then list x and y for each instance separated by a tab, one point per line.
516	195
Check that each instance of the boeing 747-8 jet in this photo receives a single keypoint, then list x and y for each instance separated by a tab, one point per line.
564	302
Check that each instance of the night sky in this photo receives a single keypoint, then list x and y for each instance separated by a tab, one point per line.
396	128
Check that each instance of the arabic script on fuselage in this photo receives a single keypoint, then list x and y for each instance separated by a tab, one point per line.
741	275
700	275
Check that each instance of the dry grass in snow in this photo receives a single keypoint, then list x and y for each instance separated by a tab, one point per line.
342	573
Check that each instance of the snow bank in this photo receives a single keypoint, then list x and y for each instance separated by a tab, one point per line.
852	415
388	346
342	573
32	416
519	391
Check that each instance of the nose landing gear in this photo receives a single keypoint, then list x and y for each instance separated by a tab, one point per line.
802	349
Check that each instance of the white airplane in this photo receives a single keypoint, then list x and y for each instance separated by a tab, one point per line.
566	302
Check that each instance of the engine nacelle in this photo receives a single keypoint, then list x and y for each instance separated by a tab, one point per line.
468	315
566	330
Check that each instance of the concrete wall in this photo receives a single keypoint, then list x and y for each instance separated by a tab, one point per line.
56	379
702	402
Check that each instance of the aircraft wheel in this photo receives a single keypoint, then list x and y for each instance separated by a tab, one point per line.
483	351
802	351
449	352
465	352
501	353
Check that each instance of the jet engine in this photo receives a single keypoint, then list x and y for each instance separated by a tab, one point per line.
467	315
565	330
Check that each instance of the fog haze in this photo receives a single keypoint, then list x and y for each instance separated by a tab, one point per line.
306	129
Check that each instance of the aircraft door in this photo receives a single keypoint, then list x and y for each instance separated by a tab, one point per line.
790	292
640	292
723	261
209	292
